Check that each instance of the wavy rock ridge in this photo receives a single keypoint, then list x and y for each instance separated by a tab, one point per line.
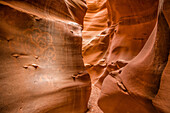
125	47
127	58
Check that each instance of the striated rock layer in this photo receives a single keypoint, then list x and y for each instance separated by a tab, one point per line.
126	45
124	37
127	59
40	54
138	83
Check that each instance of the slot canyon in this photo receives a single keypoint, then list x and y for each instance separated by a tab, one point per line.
84	56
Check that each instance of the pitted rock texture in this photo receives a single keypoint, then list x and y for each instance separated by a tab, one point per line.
125	48
41	57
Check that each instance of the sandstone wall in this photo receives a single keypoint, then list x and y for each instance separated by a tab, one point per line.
41	58
127	59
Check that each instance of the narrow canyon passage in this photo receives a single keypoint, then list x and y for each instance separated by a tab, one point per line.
122	44
84	56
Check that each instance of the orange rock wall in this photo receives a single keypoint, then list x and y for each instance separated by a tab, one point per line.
125	48
41	58
127	59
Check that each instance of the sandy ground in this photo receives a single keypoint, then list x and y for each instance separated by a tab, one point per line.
95	93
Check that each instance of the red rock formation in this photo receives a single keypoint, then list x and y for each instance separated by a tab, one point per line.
162	99
40	53
138	82
125	36
130	56
95	20
125	48
94	44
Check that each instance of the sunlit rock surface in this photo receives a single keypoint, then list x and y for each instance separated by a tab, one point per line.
41	66
127	58
125	48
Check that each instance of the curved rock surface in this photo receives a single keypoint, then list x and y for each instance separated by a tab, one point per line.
125	48
128	57
40	53
138	83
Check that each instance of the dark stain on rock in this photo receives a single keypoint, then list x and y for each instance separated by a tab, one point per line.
8	40
139	38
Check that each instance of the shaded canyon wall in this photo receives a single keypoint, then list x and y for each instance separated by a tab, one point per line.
125	48
126	55
41	66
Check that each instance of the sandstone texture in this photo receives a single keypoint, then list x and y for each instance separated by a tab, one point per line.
41	65
84	56
127	56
